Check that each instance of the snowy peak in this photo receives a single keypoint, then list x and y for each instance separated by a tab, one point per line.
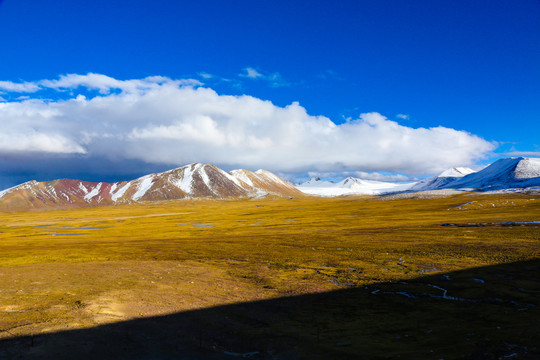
503	174
349	182
312	181
350	186
443	179
204	180
243	176
456	172
317	182
510	173
26	185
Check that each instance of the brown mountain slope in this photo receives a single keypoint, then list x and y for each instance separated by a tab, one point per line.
190	181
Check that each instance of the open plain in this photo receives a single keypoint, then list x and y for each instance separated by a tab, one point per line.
356	277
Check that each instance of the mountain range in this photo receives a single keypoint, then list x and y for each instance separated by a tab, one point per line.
187	182
198	180
513	173
350	186
503	175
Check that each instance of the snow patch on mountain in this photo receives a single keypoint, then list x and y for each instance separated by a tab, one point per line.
4	192
120	192
27	185
267	176
184	183
528	168
51	191
83	188
185	178
199	169
92	193
145	184
231	177
241	175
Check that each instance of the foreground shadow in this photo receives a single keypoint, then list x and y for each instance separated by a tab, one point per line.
483	313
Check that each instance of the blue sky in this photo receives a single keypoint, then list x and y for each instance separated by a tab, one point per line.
472	67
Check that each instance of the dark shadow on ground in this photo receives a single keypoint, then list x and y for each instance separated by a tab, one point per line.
487	313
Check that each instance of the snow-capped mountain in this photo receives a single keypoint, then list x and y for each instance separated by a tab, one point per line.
441	180
350	186
190	181
511	173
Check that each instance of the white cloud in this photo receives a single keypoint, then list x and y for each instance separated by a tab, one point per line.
206	75
24	87
403	116
274	79
215	79
251	73
103	83
158	120
38	142
523	153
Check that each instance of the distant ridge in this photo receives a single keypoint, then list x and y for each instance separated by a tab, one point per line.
188	182
510	174
350	186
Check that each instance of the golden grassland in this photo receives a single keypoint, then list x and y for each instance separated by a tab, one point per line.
72	269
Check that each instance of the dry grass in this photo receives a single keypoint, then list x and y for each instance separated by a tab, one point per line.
79	268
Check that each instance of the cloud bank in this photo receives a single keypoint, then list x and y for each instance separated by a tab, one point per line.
157	120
